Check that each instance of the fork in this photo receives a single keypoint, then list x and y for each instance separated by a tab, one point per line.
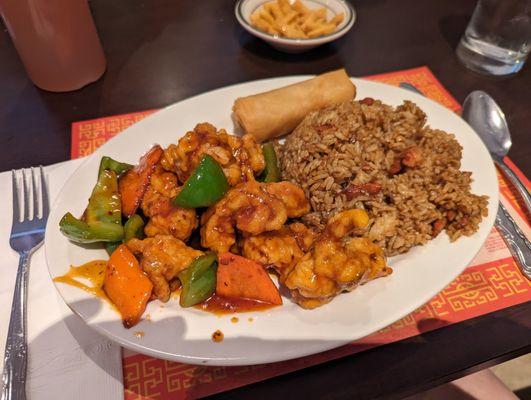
26	236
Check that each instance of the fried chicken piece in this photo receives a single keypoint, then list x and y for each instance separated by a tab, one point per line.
162	257
164	217
292	196
240	157
336	263
179	223
279	249
163	186
253	208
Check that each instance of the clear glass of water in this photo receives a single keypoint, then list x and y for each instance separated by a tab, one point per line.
498	37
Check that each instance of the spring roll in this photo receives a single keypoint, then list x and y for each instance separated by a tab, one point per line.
277	112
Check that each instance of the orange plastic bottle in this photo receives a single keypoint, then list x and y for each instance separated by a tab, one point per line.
56	40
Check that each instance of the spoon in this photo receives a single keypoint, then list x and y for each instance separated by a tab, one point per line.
487	119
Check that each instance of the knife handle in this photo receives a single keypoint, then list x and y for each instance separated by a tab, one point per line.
518	244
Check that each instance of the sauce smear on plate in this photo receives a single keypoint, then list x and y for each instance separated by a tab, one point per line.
224	305
93	271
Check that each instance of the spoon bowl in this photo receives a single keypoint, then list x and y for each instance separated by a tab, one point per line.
488	120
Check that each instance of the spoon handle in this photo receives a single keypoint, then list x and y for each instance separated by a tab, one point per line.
517	183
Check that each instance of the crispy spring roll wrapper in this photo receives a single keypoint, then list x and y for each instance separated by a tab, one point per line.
277	112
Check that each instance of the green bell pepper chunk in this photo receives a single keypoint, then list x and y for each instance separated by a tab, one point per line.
104	203
204	187
113	165
133	228
198	280
111	246
89	232
271	171
102	219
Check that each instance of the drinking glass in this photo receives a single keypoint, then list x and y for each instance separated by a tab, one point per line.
498	37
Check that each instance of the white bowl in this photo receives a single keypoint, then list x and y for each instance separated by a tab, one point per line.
244	9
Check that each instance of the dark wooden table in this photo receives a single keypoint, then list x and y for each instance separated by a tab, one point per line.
162	51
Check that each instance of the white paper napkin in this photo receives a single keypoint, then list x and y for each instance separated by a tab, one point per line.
67	359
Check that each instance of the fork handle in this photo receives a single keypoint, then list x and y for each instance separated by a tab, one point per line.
16	352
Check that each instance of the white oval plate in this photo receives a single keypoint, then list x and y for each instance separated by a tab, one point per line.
284	332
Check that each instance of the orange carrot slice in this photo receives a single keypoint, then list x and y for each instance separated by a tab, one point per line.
133	183
126	285
239	277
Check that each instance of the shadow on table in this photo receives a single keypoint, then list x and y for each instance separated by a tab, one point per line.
93	344
417	348
259	48
176	327
260	54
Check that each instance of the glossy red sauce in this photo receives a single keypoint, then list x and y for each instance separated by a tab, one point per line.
224	305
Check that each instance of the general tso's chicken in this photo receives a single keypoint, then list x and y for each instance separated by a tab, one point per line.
336	263
164	217
279	249
162	257
163	186
240	157
292	196
179	223
253	208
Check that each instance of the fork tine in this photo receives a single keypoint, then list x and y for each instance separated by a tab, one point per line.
35	194
16	204
26	192
44	195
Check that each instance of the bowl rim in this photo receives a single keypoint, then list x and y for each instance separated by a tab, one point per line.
351	18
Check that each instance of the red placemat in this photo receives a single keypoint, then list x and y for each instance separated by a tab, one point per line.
491	282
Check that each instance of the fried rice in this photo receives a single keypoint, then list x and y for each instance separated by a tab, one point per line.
365	154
